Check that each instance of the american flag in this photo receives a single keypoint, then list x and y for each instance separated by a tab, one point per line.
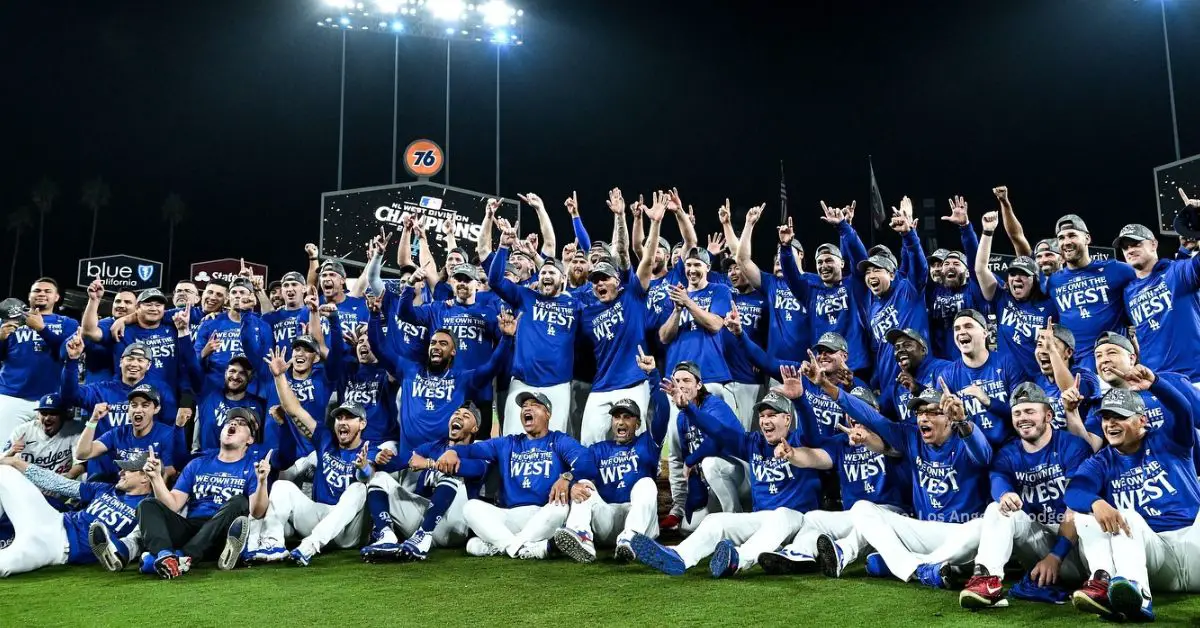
782	196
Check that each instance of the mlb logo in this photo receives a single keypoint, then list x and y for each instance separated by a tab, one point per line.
431	202
145	271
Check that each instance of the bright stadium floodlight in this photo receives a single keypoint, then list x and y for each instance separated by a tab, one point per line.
496	12
446	10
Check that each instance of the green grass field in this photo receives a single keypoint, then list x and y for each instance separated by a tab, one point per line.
453	589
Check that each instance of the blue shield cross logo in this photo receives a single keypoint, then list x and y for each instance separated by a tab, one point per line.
145	271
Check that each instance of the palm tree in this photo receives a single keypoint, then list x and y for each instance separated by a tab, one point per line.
19	221
44	195
173	212
96	195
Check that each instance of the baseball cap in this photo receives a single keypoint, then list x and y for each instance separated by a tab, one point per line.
958	255
353	409
796	245
461	251
247	416
940	255
12	309
832	341
1048	244
1064	333
293	276
602	247
881	249
627	406
1070	221
690	367
894	335
1113	338
975	315
136	350
1023	264
550	261
877	261
51	403
929	396
243	360
700	254
1134	232
135	463
512	268
727	263
602	270
465	270
407	269
152	294
241	282
306	341
1123	403
147	392
274	285
1028	392
773	401
865	395
470	406
664	243
536	397
334	266
830	250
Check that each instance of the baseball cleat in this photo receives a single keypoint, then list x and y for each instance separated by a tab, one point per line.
1092	597
930	575
380	552
166	565
624	552
269	553
416	547
981	592
669	522
235	542
479	547
651	554
300	558
1126	598
956	576
534	551
876	567
829	556
576	544
147	564
107	553
724	561
785	561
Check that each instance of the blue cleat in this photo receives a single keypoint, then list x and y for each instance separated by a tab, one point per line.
651	554
724	561
876	567
413	549
147	566
166	565
300	558
829	555
1127	599
930	575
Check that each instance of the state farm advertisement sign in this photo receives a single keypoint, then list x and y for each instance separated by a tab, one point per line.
224	269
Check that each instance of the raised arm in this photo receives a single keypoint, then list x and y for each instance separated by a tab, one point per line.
686	228
483	248
750	270
88	447
655	213
983	274
545	227
638	236
616	203
1012	226
89	325
303	421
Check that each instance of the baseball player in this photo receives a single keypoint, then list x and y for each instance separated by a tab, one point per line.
916	369
1028	519
127	442
949	457
218	490
1137	502
30	339
367	382
433	515
1054	354
1020	305
982	378
236	331
956	290
45	536
334	514
214	403
781	492
537	469
49	441
624	500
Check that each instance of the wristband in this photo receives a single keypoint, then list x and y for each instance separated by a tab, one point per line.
313	259
1062	547
988	233
91	425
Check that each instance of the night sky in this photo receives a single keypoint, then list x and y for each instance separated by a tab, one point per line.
234	106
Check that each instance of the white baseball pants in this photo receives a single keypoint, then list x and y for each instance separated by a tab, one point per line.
1169	561
906	543
319	524
608	522
408	511
510	528
837	524
753	532
15	411
1017	535
745	396
676	455
41	538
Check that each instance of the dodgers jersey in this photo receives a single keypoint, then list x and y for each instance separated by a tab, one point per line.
615	330
123	444
1165	311
836	307
472	472
115	509
544	354
251	337
753	313
55	453
997	376
530	466
1090	301
1039	478
620	466
30	360
1018	324
210	483
335	470
474	327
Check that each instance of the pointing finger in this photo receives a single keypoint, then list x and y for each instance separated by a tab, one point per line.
945	388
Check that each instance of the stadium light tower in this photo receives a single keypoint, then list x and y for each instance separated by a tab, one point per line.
1170	78
494	21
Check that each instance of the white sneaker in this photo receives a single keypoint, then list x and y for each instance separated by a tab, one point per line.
624	552
576	543
479	547
534	551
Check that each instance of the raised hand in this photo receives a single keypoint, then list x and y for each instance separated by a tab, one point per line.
786	232
958	212
951	405
716	243
833	215
1139	377
783	450
856	436
1188	202
507	324
533	200
277	362
658	207
723	213
311	250
262	468
637	208
754	213
489	210
1001	192
572	204
616	202
75	346
361	459
673	202
990	221
183	320
792	386
902	218
95	290
153	466
645	362
183	416
1071	398
733	322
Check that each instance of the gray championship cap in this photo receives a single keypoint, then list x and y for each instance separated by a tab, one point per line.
626	406
152	294
465	271
136	463
773	401
664	243
306	341
331	265
537	397
147	392
829	249
461	252
601	247
878	261
939	255
1028	392
353	409
865	395
13	309
1123	403
244	361
894	335
293	276
930	396
958	255
603	270
974	315
1113	338
246	415
1070	221
690	367
551	261
1048	244
700	254
882	249
833	342
1132	233
136	350
473	409
1023	264
795	244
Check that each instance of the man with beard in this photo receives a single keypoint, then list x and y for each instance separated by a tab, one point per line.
917	370
135	364
146	326
30	343
955	291
749	306
981	378
1027	518
666	271
275	294
1021	308
1162	304
98	359
578	269
544	355
290	317
1055	347
214	406
537	469
1137	502
236	331
129	442
334	514
49	440
613	319
431	390
1089	295
367	382
329	277
936	259
1049	259
471	321
836	302
433	515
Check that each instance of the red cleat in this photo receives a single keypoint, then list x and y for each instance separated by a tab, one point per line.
981	592
1092	597
669	522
